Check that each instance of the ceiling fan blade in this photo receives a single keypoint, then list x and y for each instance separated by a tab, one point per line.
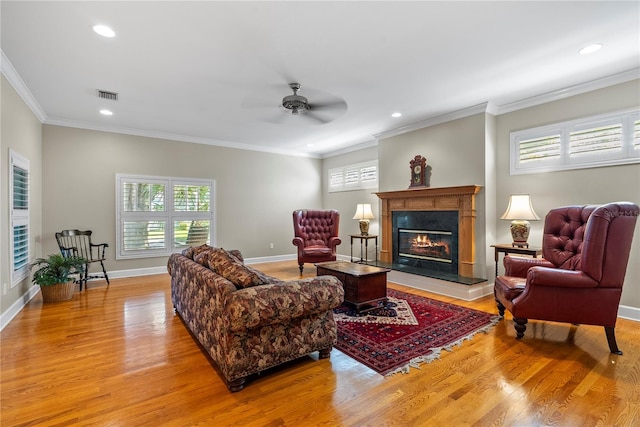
311	116
337	105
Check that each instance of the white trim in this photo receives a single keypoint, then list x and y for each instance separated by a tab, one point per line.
578	89
20	87
444	118
15	308
629	313
350	149
566	160
173	137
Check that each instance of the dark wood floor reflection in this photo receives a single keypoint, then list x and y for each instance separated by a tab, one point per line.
119	356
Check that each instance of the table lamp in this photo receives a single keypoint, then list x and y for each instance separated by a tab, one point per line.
520	211
364	214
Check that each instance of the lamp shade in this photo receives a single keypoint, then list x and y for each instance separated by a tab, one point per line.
520	208
363	211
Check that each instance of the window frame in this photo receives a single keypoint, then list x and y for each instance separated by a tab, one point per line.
19	218
167	216
357	182
567	160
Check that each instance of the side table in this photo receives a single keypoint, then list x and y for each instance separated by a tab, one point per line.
510	249
364	251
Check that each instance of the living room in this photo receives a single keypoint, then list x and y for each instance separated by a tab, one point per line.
73	173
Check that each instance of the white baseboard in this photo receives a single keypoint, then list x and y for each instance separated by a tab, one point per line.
17	306
630	313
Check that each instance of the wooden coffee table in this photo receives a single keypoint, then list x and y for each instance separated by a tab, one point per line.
364	285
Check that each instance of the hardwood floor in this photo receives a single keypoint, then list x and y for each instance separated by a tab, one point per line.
119	356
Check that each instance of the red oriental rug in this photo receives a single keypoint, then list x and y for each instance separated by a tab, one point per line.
407	331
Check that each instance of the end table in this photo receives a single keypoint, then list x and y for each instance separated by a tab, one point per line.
364	251
510	249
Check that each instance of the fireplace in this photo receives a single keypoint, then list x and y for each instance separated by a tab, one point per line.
426	240
439	211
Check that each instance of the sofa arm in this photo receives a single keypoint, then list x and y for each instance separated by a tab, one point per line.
268	304
519	266
334	242
559	278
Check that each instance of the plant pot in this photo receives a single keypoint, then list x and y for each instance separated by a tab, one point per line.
58	292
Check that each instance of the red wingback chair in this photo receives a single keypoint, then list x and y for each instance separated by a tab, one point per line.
316	235
579	279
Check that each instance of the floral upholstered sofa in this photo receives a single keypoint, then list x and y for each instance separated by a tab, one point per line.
248	321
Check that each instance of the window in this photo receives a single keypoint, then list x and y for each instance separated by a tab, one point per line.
354	177
605	140
157	215
19	217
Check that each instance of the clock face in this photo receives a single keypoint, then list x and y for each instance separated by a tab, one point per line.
417	169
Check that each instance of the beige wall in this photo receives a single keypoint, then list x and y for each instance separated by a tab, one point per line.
583	186
345	202
255	192
22	133
455	150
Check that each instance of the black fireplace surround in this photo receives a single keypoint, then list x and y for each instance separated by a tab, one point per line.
441	227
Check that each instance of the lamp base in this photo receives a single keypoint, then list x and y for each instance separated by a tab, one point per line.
364	228
520	233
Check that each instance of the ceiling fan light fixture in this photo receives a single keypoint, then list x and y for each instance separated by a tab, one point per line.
295	102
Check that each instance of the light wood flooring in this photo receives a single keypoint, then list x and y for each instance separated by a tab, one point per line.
119	356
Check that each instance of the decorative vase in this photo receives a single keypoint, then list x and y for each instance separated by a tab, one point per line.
58	292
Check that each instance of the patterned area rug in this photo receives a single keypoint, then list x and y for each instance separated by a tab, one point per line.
389	347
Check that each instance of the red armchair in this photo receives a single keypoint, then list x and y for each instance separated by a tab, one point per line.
316	235
579	279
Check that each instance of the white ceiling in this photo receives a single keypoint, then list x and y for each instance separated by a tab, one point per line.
215	72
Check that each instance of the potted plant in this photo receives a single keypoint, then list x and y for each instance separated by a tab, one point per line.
55	274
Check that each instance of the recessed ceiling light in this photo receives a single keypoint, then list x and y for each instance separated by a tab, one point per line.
396	115
104	31
106	112
590	49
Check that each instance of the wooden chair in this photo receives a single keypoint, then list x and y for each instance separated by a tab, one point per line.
78	243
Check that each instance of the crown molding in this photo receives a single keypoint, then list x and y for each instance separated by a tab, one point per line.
432	121
350	149
20	87
172	137
570	91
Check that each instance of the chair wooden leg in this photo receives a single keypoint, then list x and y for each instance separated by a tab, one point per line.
500	308
105	272
611	339
301	266
520	325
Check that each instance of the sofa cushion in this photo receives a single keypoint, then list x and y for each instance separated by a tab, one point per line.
202	258
229	267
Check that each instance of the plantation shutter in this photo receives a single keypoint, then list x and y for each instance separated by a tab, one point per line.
536	149
636	136
19	196
144	227
601	140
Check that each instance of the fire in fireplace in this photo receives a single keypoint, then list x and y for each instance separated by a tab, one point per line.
426	241
425	244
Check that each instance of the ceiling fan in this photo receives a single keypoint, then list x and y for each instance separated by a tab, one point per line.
323	108
332	106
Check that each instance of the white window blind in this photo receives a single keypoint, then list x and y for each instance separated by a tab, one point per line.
591	142
354	177
159	215
19	217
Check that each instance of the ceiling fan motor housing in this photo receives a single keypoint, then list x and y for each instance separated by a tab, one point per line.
295	102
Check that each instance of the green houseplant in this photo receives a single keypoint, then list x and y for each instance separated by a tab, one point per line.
55	274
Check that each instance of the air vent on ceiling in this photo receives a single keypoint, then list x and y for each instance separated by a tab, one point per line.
104	94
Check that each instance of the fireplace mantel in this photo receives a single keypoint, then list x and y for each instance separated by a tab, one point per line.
461	199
